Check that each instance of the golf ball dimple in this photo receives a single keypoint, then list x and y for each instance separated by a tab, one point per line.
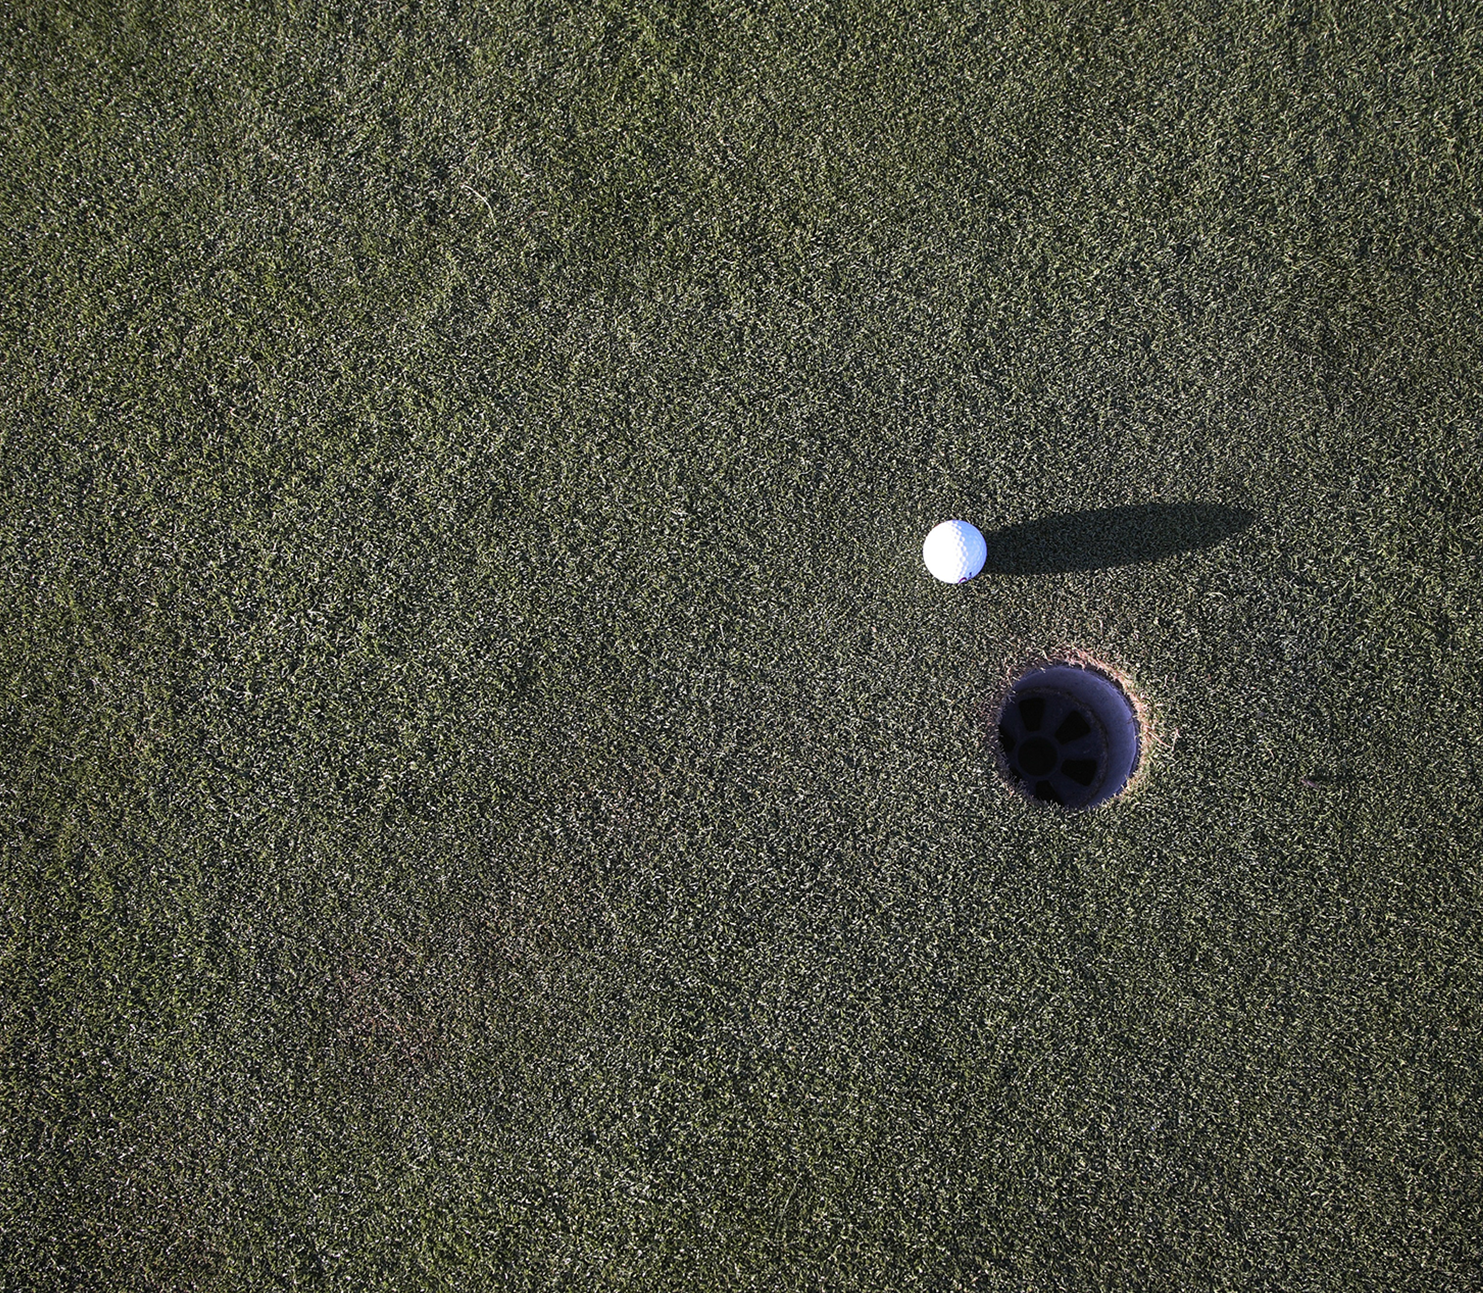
954	551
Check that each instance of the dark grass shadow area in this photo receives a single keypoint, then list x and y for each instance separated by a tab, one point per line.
1110	536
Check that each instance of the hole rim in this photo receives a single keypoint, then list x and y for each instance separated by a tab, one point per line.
1114	777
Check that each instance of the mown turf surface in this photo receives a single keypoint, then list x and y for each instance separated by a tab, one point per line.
491	798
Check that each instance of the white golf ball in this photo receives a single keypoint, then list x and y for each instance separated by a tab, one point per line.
955	551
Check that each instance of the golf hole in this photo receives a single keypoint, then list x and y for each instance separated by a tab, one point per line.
1068	735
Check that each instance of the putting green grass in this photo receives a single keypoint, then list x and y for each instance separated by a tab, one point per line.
492	798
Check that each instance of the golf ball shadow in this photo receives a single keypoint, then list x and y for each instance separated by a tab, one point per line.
1068	735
